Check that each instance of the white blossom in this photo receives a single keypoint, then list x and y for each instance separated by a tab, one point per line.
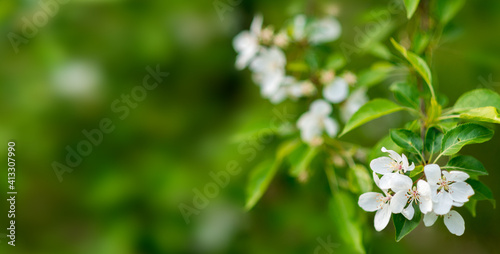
355	101
336	91
406	194
324	30
453	221
316	120
291	88
390	166
448	188
247	44
373	201
299	27
269	70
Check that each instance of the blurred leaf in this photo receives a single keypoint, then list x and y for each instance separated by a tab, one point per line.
407	140
376	74
420	42
462	135
481	191
484	114
471	206
433	140
360	180
406	94
468	164
335	62
404	226
418	63
297	66
411	7
262	175
380	50
304	160
446	10
370	111
433	111
477	99
346	221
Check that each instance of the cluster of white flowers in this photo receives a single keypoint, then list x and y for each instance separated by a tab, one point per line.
434	196
262	51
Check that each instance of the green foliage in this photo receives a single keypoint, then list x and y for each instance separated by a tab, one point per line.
343	212
360	181
411	7
467	164
406	94
484	114
433	140
403	226
407	140
446	10
462	135
482	192
370	111
477	99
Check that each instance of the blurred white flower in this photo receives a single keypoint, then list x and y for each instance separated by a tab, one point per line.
247	44
281	39
326	76
453	221
324	30
269	70
299	27
406	194
448	188
316	120
336	91
373	201
291	88
355	101
350	78
78	79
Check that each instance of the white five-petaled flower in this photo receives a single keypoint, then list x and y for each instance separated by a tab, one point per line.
390	166
373	201
406	194
336	91
453	221
316	120
269	70
448	188
247	44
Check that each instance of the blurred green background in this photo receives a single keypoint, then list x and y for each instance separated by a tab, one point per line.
124	196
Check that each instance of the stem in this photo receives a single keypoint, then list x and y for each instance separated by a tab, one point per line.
332	179
437	158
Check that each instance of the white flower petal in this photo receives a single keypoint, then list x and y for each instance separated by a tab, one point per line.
382	217
424	190
461	191
455	223
331	127
256	25
411	167
395	156
398	201
381	165
321	107
456	176
409	212
354	102
324	30
432	173
458	204
337	91
442	203
429	219
299	26
376	179
400	183
370	201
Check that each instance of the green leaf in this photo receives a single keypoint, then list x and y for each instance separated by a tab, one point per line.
418	63
477	99
407	140
471	206
481	191
404	226
446	10
411	7
462	135
370	111
343	211
406	94
360	180
376	74
484	114
335	62
418	169
262	175
468	164
433	140
304	159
